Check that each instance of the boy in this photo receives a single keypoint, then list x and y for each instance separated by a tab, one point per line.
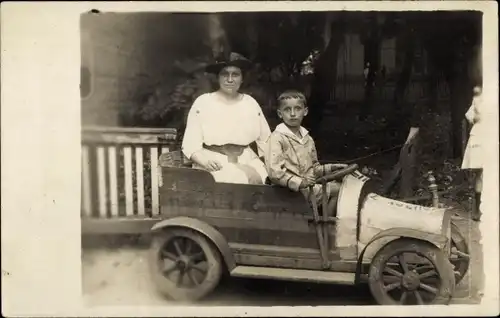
291	159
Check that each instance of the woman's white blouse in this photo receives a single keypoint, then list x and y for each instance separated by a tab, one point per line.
212	122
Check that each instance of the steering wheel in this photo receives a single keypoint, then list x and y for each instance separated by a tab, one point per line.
338	175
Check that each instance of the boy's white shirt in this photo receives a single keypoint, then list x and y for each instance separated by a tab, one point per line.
293	182
282	128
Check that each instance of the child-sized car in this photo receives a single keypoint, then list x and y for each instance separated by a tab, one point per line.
402	250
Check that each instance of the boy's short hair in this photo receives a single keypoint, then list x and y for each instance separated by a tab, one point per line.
292	94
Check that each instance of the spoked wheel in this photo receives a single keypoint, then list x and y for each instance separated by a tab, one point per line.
184	265
411	272
459	257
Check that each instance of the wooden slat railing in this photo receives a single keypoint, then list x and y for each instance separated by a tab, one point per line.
120	170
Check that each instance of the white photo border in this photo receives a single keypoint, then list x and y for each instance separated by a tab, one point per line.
41	244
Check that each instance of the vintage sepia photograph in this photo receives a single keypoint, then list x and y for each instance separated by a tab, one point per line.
281	158
260	158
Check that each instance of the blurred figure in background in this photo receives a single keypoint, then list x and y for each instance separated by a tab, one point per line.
366	72
472	156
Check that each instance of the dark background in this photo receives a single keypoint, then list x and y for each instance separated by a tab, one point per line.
145	70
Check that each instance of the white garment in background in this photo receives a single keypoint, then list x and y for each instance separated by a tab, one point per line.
473	156
212	121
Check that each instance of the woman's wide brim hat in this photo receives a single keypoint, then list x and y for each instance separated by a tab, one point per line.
234	59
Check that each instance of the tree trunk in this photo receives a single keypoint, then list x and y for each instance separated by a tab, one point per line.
374	30
252	36
325	74
460	99
405	75
217	35
327	31
371	55
433	79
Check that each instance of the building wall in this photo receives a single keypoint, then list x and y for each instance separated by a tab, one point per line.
125	55
388	54
350	58
349	85
350	81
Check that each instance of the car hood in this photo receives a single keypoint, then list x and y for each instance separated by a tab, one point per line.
379	213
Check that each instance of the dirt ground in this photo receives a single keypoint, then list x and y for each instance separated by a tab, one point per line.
120	277
114	276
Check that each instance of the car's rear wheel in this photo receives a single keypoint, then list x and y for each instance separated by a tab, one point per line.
411	272
185	266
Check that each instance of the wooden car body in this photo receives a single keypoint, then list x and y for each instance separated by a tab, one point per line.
261	228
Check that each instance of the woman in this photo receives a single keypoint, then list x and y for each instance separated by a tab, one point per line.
472	156
404	128
222	125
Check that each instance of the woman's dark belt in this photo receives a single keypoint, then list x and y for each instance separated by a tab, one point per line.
230	150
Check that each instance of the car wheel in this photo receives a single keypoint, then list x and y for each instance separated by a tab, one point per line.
459	254
185	266
459	257
411	272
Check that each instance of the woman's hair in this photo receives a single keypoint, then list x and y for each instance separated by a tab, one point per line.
292	94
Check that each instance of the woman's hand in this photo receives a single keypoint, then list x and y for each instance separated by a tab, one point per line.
212	165
411	135
208	164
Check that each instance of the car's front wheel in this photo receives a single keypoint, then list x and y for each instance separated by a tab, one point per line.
411	272
459	256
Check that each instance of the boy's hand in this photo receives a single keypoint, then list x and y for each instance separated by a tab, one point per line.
337	166
307	182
